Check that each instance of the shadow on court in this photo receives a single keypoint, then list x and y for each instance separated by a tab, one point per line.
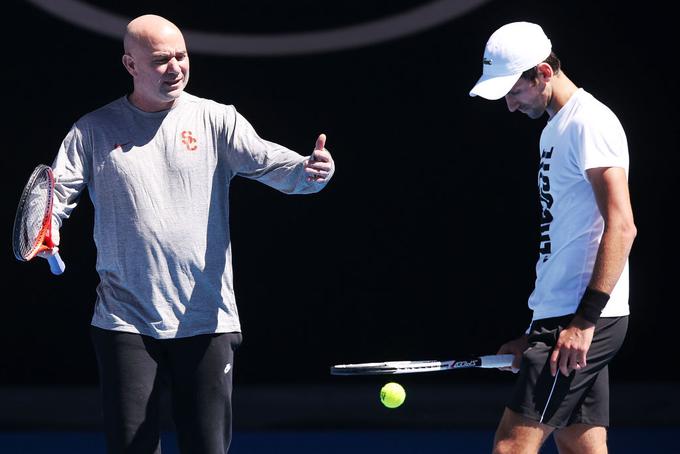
305	419
622	441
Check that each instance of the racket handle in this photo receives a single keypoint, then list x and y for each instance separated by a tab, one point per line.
492	361
56	263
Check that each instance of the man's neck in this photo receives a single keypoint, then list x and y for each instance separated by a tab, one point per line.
148	105
562	90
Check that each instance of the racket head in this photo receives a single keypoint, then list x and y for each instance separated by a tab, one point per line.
388	367
411	367
33	219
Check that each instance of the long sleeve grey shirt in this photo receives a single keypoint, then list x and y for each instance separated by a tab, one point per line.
159	183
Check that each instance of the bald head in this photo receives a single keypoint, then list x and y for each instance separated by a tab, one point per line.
156	57
148	30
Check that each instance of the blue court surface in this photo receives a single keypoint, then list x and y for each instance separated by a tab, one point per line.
621	441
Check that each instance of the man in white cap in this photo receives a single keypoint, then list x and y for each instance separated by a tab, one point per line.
580	299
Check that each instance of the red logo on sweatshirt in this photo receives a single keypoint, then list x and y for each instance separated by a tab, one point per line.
189	141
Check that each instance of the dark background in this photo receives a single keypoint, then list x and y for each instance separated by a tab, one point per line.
422	246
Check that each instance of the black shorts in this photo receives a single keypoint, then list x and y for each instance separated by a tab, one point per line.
580	398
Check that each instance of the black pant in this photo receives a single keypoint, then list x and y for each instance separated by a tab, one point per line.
199	370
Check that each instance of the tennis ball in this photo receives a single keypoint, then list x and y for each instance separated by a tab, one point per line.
392	395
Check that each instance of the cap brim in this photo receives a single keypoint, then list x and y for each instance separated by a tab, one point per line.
494	87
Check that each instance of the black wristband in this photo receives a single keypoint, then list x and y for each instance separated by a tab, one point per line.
591	305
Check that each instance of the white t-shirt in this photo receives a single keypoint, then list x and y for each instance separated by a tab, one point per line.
584	134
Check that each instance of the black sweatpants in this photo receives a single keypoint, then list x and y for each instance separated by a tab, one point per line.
199	371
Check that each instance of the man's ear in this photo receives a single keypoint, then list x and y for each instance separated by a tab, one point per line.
545	71
129	63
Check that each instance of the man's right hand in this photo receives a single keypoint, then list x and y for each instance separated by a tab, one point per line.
515	347
54	236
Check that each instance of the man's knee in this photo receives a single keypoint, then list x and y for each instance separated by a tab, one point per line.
505	446
581	439
517	433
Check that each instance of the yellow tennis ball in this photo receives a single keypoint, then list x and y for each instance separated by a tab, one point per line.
392	395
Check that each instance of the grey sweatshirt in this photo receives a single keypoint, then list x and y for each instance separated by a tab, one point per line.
159	183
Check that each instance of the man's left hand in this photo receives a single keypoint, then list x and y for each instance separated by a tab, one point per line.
319	165
572	347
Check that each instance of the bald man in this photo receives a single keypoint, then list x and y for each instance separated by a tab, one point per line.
157	164
156	57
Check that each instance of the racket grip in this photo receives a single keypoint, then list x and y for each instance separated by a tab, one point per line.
494	361
56	263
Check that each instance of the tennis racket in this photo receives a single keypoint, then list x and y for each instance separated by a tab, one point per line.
33	220
411	367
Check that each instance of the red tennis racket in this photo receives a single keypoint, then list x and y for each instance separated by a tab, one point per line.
33	221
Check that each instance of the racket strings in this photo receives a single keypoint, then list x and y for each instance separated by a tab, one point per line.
33	215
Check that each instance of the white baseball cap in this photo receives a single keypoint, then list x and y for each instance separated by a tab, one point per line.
511	50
